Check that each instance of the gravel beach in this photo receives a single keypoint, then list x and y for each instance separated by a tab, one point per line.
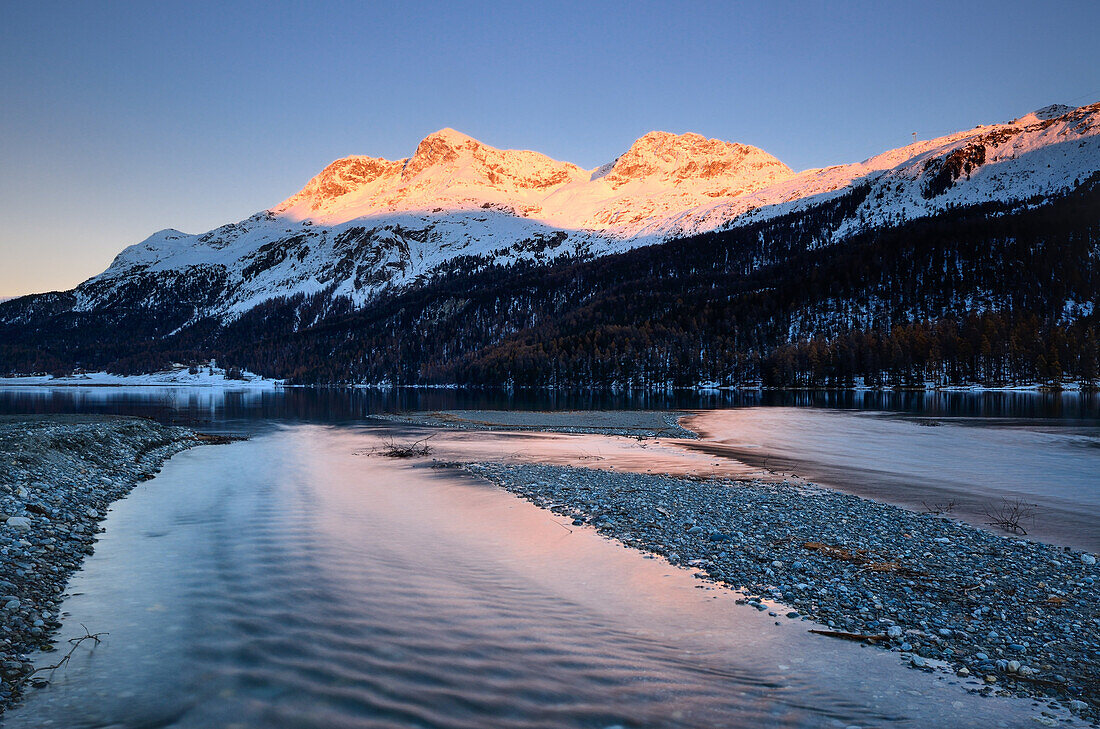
629	423
1003	614
58	476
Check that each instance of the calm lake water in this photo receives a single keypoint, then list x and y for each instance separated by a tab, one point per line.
292	581
213	407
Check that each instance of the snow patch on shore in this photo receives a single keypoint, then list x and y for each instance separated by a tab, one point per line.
176	376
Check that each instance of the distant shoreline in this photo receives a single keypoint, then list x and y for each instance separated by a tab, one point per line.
179	377
102	379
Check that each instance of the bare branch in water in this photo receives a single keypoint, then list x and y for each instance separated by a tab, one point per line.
938	509
76	642
1010	515
392	449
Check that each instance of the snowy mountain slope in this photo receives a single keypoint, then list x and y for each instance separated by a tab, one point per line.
1042	153
267	255
365	225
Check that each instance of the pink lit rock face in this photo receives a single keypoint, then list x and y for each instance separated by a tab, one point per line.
661	173
365	225
448	169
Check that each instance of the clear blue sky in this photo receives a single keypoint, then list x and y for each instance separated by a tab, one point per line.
118	119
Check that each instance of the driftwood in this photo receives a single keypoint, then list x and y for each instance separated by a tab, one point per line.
217	439
861	557
414	449
1035	680
561	525
859	637
835	552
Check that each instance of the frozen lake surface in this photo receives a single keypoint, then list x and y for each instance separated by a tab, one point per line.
973	463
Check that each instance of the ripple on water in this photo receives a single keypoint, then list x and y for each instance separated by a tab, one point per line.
291	584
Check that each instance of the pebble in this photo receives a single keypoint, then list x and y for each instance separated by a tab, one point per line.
20	523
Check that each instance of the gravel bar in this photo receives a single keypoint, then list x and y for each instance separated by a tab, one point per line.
630	423
58	476
1005	614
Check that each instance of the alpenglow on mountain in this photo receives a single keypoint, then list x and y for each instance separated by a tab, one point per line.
965	259
365	225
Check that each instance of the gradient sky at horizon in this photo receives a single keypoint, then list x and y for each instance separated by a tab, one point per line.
120	119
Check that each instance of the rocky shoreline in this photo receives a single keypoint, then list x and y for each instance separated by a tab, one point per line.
1002	614
628	423
58	476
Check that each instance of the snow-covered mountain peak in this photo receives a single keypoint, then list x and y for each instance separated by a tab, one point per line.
453	137
339	179
166	234
156	246
448	156
449	171
676	158
439	148
1053	111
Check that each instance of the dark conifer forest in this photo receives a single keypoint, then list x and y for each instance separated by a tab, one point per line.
991	295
